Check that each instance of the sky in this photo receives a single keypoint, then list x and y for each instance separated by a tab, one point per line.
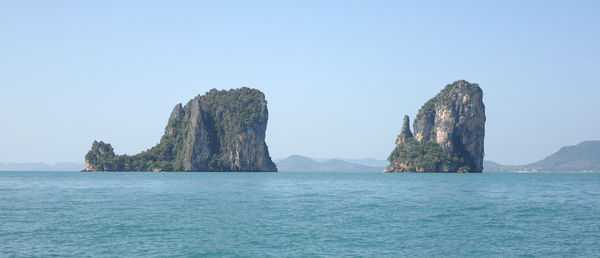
338	75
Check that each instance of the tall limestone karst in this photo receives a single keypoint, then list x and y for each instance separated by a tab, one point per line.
448	133
219	131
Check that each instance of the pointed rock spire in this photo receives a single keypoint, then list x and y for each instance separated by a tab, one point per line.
405	134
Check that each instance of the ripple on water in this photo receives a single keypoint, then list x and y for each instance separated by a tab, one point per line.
288	214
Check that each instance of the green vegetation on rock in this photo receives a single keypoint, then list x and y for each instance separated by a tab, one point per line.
236	109
421	156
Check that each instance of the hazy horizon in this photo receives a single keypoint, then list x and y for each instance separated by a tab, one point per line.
278	159
338	76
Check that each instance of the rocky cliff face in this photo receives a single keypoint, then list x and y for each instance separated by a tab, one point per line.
405	134
219	131
448	133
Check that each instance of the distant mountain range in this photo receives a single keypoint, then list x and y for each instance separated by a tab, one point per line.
364	161
41	166
297	163
583	157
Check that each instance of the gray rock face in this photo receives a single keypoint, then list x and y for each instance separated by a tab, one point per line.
219	131
197	147
455	120
237	150
405	134
176	115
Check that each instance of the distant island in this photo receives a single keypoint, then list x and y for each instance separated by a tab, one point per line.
41	166
223	130
448	133
583	157
297	163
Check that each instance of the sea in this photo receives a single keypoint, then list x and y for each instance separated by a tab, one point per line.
308	214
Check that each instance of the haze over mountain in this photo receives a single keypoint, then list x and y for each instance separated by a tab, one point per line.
41	166
583	157
297	163
371	162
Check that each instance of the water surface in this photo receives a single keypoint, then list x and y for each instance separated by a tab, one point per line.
298	214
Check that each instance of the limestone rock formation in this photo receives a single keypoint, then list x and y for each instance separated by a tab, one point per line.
405	134
219	131
448	133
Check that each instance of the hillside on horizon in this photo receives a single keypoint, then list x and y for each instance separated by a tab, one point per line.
298	163
583	157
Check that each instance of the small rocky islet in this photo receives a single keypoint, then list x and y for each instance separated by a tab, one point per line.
448	133
219	131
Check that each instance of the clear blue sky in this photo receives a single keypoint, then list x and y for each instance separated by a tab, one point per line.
338	75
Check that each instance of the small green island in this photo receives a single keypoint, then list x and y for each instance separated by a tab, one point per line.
223	130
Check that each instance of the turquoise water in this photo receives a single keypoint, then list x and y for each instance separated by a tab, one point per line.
298	214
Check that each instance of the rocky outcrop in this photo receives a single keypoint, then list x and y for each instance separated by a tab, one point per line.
448	133
405	133
219	131
96	157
